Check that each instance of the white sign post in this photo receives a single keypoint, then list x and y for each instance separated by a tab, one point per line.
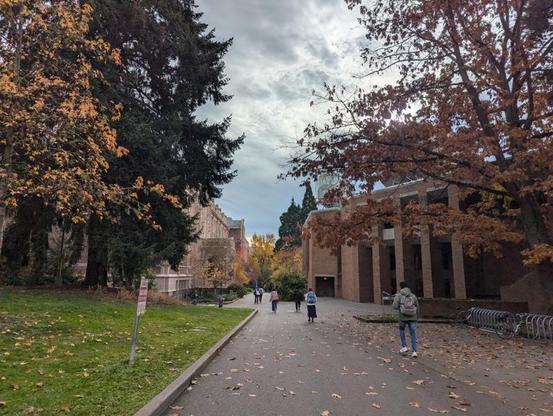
140	309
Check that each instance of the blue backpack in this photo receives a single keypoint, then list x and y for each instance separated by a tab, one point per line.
310	298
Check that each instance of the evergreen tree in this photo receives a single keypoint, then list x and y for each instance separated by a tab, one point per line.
308	204
289	231
292	220
171	65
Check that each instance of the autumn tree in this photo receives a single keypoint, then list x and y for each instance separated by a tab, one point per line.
171	64
217	272
261	256
471	107
240	272
288	260
55	135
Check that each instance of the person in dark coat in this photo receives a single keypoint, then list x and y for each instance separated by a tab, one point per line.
298	297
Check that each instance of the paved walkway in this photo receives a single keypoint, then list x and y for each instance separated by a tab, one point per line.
280	364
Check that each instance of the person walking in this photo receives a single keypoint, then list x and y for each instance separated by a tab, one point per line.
311	300
274	300
256	295
261	291
407	305
298	297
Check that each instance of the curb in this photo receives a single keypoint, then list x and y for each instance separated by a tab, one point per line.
163	400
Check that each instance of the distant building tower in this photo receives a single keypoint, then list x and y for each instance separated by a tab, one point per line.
327	182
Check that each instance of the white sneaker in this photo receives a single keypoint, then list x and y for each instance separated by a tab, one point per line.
414	355
403	350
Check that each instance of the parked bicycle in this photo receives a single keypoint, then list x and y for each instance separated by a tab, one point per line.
462	316
509	325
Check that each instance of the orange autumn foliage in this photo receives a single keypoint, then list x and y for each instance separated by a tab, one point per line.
470	105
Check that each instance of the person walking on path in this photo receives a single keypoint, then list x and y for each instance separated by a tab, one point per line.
407	305
310	300
256	295
298	297
274	300
261	291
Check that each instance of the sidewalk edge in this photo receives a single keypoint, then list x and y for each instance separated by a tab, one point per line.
163	400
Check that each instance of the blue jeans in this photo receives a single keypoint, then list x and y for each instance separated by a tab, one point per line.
412	331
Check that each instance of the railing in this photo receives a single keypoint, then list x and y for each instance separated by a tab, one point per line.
531	325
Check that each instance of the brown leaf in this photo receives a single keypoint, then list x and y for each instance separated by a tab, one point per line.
415	404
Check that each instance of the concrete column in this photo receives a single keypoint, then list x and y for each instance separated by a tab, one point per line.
398	247
426	256
459	284
378	260
350	273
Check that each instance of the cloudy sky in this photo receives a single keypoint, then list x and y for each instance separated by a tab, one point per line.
282	50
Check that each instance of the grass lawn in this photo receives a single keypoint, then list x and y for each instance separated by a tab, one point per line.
66	352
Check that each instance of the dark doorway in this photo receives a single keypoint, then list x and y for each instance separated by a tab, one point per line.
325	286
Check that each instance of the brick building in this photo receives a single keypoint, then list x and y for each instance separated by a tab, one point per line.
432	267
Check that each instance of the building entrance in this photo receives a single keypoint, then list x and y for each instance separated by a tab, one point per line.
324	286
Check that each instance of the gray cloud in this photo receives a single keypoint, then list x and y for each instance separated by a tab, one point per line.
282	50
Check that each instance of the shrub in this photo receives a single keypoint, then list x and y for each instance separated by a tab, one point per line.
239	289
287	283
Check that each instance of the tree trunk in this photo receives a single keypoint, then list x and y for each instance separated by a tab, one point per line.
96	266
59	277
533	222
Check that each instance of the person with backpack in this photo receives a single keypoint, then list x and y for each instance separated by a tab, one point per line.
256	295
274	300
407	304
298	297
310	300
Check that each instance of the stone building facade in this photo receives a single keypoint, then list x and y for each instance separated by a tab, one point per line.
237	231
432	267
218	241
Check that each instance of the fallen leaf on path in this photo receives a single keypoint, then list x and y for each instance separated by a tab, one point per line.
419	382
176	407
453	395
326	413
336	396
376	405
415	404
461	409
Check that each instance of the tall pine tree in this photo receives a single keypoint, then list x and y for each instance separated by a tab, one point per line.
171	65
292	220
308	204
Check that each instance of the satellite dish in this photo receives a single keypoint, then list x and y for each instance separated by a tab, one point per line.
326	182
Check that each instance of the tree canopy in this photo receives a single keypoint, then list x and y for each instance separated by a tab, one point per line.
261	256
471	106
56	135
171	64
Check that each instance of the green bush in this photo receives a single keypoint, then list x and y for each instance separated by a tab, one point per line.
238	289
287	283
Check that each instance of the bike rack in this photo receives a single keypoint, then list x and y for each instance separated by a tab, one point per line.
536	326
